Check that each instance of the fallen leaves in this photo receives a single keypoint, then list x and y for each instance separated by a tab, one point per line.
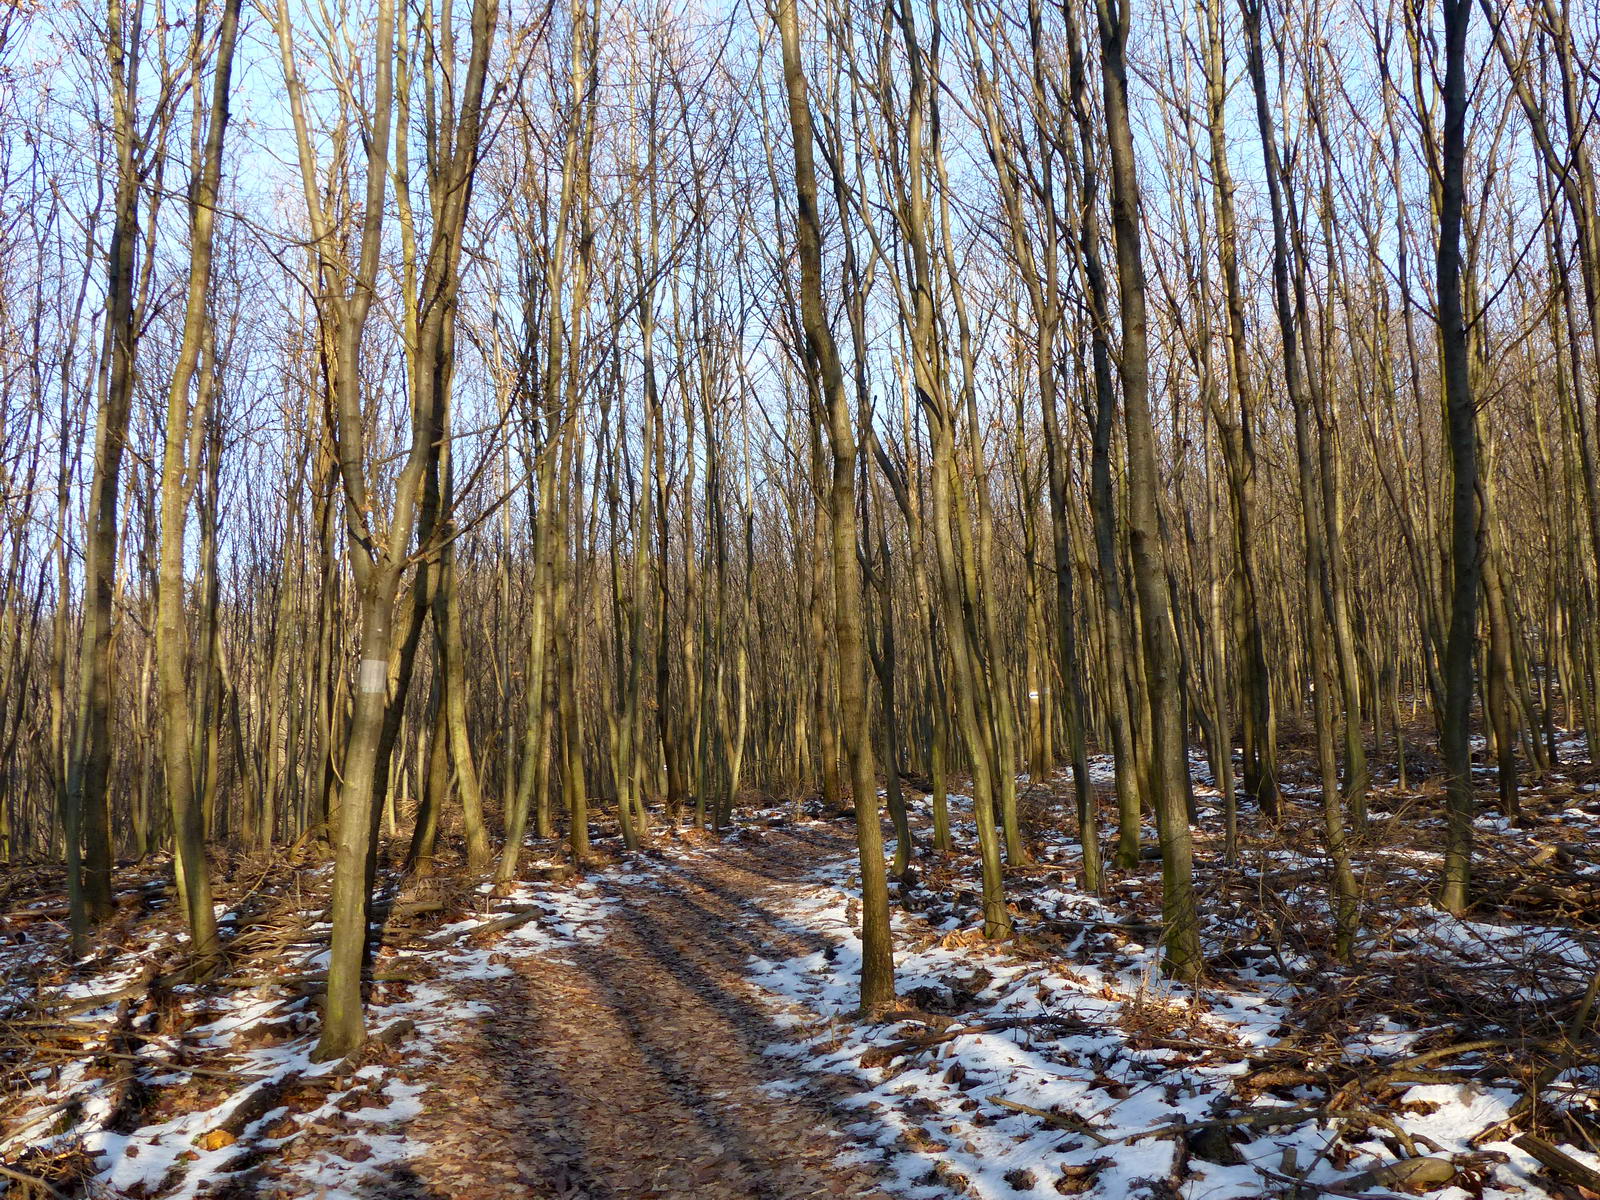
216	1139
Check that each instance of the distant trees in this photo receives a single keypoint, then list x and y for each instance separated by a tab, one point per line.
619	386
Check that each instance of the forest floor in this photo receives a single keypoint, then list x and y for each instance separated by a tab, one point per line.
677	1023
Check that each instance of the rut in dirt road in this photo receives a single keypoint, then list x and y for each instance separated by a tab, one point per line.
634	1068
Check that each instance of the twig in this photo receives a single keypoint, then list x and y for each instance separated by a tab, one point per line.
1258	1116
29	1180
1069	1121
1290	1116
1324	1189
314	981
882	1056
152	1064
1427	1056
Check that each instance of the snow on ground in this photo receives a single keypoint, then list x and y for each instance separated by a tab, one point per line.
1075	1044
245	1052
1061	1063
1074	1068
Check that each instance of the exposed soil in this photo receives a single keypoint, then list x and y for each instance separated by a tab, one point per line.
633	1068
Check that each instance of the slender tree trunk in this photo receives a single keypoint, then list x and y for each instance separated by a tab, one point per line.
1168	763
822	357
1462	437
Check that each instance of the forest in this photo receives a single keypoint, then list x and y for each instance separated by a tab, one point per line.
632	599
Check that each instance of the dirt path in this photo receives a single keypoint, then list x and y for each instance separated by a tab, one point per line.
634	1069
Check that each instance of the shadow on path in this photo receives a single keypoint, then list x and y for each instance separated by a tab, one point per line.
632	1068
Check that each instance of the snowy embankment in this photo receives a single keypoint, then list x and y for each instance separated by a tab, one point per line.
191	1090
1065	1064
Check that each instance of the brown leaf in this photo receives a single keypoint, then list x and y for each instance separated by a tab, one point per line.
215	1140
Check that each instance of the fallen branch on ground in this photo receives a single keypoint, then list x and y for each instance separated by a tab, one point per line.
510	921
882	1056
1558	1163
1068	1121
